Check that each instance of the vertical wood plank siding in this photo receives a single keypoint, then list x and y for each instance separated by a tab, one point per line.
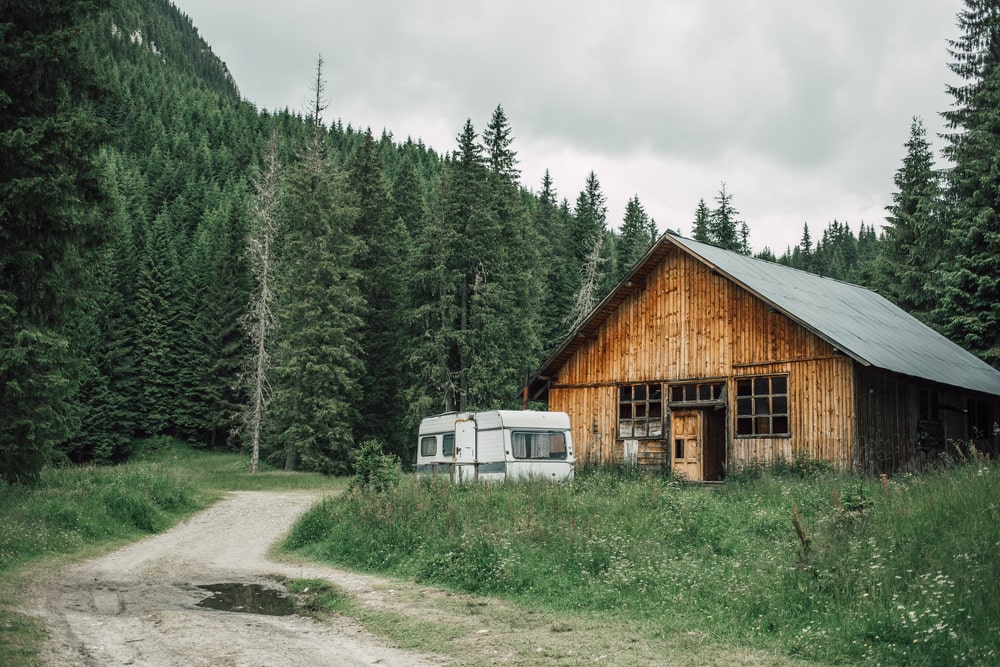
687	323
888	420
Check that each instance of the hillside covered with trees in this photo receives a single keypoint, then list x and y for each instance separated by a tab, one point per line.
169	252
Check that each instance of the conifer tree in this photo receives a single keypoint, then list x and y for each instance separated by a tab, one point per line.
560	280
969	309
589	223
159	337
913	230
319	309
702	219
49	186
385	245
724	223
502	160
805	248
637	234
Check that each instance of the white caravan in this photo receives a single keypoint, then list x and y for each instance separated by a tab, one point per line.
496	445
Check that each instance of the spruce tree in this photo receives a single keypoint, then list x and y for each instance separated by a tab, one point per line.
702	220
637	234
502	160
49	186
724	223
560	279
160	339
385	245
589	230
969	308
319	310
913	230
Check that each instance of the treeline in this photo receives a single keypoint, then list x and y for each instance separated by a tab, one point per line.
405	282
399	281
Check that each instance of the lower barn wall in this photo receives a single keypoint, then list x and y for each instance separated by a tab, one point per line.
820	422
903	423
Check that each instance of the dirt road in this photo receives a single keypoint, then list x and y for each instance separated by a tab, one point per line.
137	606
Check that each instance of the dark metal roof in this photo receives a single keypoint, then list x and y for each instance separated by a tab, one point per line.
857	321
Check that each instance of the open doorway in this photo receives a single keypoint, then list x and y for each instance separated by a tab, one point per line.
698	443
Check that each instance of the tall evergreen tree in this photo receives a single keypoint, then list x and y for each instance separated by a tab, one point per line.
560	279
590	223
159	336
637	234
913	230
969	310
385	244
48	225
319	308
724	224
502	160
702	220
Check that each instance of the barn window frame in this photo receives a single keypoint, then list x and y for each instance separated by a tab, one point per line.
762	406
641	411
695	393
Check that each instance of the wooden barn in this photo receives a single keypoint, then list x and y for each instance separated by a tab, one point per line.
705	360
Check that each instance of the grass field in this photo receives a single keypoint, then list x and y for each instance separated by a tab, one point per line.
795	560
798	560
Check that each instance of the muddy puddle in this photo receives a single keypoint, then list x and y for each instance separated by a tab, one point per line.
248	599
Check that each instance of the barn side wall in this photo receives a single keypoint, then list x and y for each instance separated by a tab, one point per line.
903	423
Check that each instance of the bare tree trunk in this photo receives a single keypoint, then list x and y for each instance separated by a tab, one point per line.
260	321
590	278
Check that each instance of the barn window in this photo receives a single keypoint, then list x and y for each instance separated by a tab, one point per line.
640	411
762	405
697	392
428	445
538	445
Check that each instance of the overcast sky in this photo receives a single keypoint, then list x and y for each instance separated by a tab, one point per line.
801	107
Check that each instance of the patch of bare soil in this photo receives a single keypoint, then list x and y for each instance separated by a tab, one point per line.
137	606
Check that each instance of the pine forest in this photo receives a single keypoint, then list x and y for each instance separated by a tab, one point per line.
175	262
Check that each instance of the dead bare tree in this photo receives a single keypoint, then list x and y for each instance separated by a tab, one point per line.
259	320
590	278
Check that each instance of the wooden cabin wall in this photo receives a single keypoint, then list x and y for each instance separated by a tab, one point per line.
886	416
820	394
690	324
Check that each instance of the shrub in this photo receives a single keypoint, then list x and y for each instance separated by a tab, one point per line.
374	469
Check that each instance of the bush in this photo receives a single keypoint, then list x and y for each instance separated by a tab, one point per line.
374	469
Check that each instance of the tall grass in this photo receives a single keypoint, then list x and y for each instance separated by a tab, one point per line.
895	570
74	507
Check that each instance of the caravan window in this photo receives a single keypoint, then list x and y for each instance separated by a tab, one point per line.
448	444
538	445
428	445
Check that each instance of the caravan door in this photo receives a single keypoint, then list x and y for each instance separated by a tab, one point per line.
464	469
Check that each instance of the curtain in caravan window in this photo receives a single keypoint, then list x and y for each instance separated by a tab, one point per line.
540	450
519	445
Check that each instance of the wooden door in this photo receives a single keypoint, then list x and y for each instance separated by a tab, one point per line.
686	447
